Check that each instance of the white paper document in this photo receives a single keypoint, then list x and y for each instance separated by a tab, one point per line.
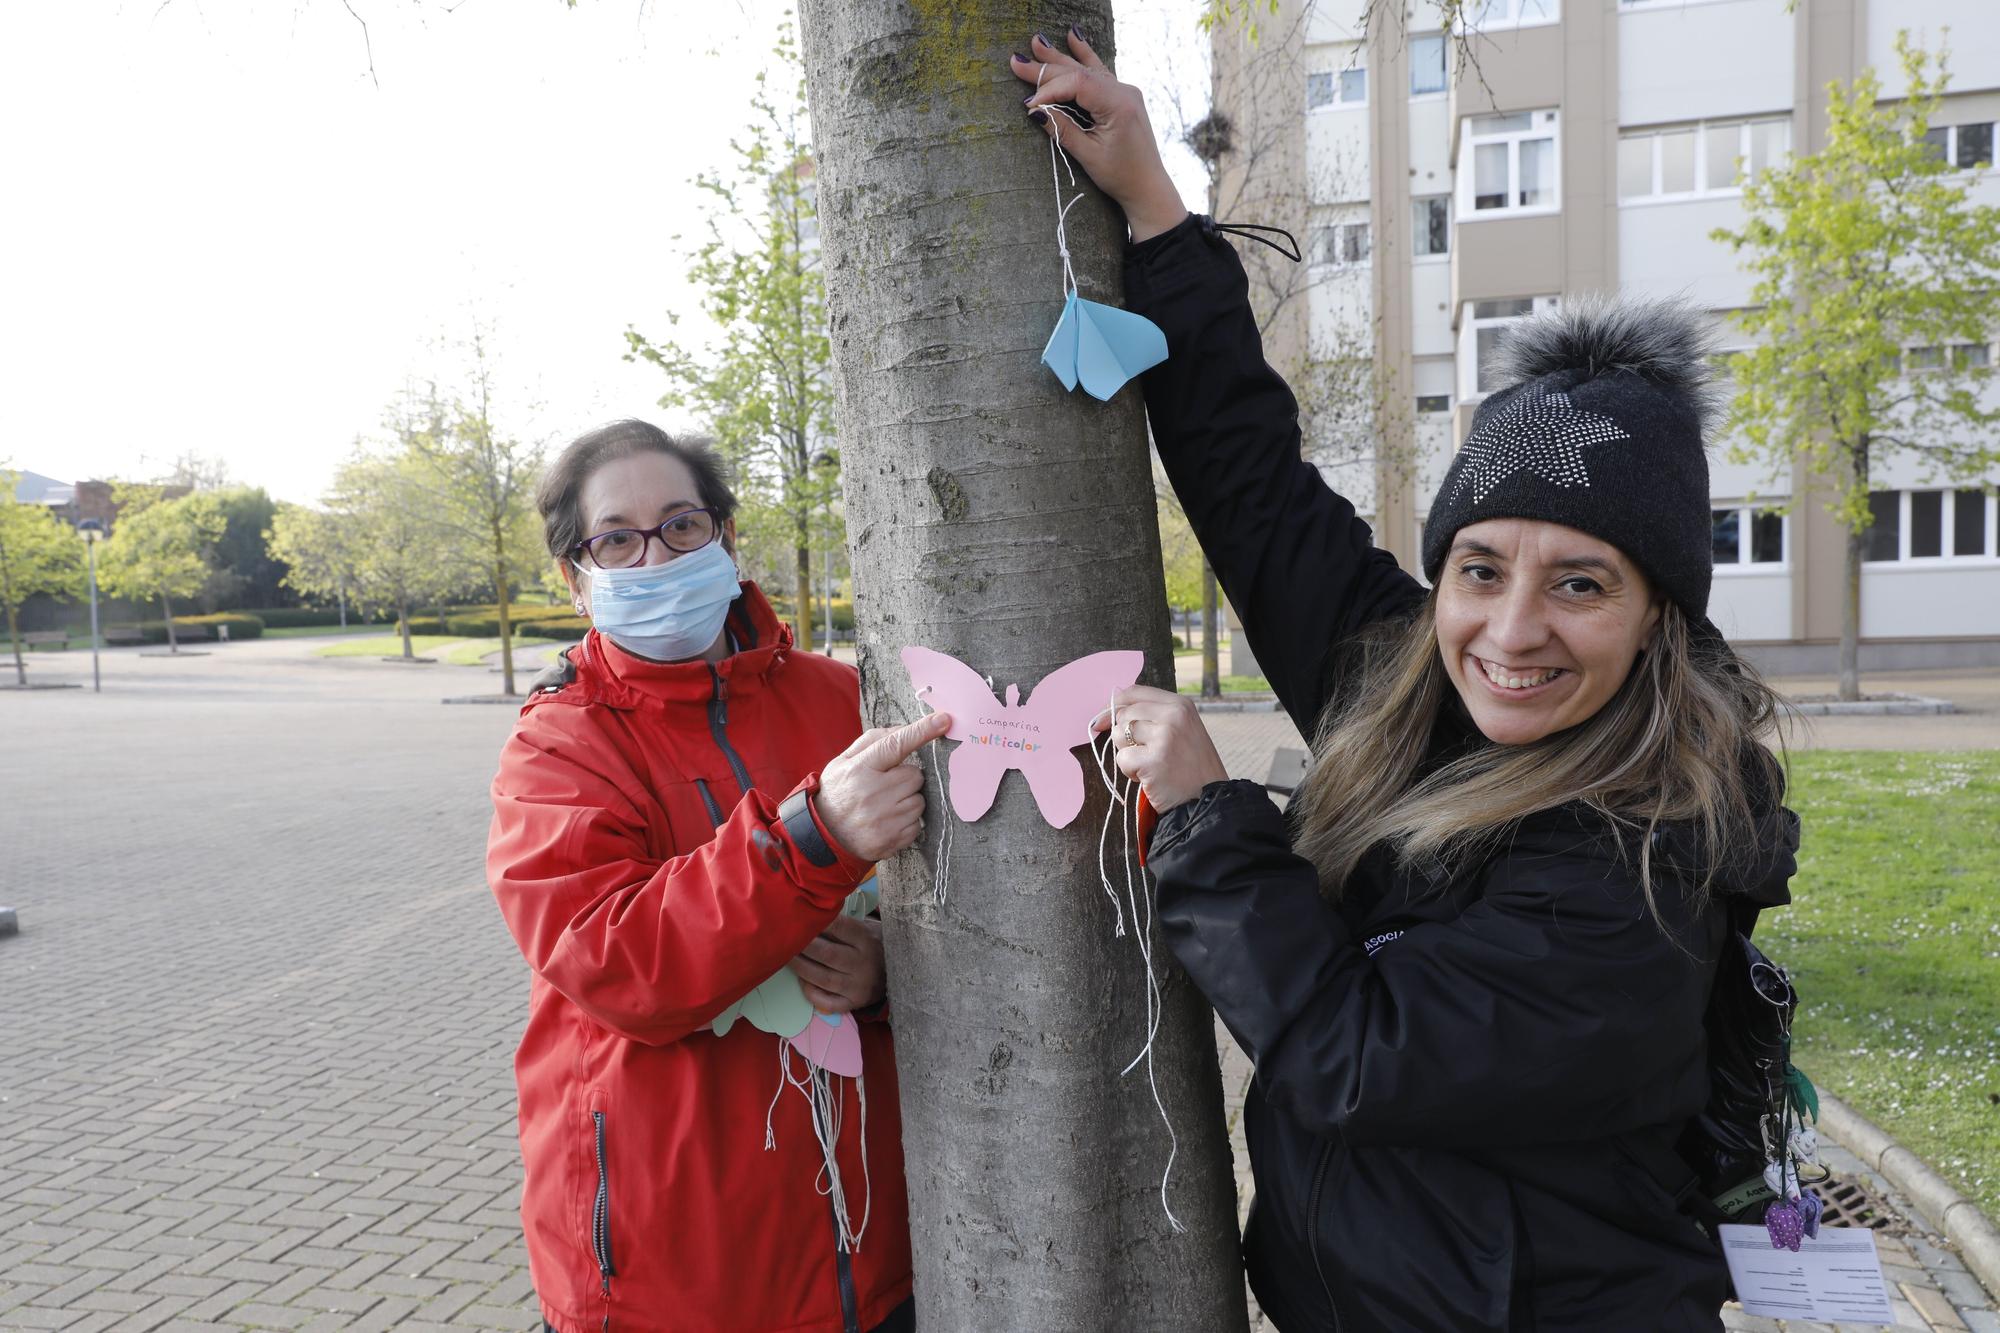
1835	1278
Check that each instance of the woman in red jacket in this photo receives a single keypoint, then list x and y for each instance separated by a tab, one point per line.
684	810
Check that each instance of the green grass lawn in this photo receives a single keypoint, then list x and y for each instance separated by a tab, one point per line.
1894	942
388	645
471	652
456	651
1234	685
316	631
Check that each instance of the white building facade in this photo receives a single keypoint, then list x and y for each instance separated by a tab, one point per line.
1595	145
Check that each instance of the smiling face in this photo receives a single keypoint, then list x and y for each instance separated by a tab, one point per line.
1538	625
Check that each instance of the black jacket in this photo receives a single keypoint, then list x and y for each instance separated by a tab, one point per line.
1468	1086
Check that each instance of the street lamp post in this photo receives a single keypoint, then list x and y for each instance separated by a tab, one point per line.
93	533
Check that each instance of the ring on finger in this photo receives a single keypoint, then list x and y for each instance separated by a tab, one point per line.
1126	735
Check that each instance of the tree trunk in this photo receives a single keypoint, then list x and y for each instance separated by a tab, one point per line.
13	624
403	627
167	610
1211	635
1850	617
506	627
1849	687
802	594
996	518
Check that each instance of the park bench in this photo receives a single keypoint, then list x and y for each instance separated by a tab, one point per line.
116	638
192	633
1288	770
42	638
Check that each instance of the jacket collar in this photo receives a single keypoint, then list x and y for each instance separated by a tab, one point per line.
625	680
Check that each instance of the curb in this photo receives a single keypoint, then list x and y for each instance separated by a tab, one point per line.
1899	705
1957	1218
1266	705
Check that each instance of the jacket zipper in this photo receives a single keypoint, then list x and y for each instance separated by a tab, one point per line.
1312	1231
708	799
600	1221
843	1267
718	722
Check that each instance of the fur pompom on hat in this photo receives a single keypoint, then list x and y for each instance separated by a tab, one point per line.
1600	426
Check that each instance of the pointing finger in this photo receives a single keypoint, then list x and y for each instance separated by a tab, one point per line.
893	747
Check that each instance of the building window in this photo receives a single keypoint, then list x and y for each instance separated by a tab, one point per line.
1513	161
1483	14
1931	525
1433	225
1343	245
1427	64
1962	146
1960	356
1742	536
1433	402
1687	161
1489	324
1346	87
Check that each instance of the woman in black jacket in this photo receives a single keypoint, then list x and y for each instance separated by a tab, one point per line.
1471	961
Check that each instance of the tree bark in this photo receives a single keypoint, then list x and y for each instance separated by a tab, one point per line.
403	626
167	610
506	626
13	624
996	518
1211	636
1849	688
802	592
1850	618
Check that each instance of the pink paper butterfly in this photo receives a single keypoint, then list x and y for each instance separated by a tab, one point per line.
1035	737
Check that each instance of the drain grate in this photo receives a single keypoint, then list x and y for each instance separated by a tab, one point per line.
1850	1203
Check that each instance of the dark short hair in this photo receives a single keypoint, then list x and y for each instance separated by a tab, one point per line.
558	497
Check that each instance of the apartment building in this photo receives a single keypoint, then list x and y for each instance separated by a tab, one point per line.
1593	145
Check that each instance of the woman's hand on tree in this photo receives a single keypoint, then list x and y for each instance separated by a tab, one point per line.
870	798
1119	150
842	970
1162	745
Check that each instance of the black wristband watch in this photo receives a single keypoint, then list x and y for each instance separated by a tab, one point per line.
795	813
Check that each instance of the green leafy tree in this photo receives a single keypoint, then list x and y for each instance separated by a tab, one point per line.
480	481
246	573
312	546
766	392
403	552
39	553
1865	249
161	549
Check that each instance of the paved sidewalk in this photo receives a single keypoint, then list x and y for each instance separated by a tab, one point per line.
255	1035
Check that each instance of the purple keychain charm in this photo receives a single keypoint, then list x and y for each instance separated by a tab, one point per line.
1786	1224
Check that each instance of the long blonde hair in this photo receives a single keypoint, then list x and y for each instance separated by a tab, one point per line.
1680	741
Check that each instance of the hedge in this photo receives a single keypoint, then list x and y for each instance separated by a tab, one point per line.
843	614
304	617
241	626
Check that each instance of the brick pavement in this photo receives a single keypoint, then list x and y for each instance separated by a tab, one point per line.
255	1035
257	1026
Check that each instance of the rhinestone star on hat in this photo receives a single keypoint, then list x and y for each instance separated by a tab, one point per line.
1539	432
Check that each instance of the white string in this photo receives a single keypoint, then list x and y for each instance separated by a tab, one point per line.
941	867
1062	209
823	1102
1136	891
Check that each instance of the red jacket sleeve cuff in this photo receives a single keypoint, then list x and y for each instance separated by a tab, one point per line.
847	865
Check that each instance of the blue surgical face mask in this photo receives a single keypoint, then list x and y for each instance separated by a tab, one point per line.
666	612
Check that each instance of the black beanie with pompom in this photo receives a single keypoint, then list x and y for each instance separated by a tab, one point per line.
1599	428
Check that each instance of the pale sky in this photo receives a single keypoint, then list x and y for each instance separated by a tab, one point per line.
220	236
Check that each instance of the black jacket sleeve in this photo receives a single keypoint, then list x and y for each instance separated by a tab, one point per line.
1554	1007
1298	566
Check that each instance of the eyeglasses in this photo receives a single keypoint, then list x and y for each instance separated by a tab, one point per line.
622	548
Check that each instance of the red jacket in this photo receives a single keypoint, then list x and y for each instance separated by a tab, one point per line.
638	857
